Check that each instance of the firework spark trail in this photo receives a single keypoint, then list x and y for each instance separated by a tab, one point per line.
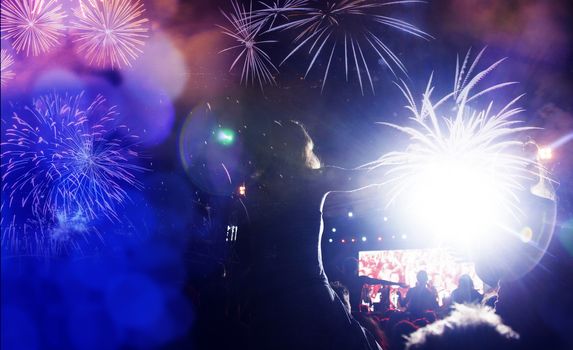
6	62
61	160
257	65
33	26
350	26
109	33
268	15
475	154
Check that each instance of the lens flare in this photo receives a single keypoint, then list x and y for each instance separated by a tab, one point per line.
109	33
462	174
33	26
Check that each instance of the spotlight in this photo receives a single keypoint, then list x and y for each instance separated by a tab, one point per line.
330	240
343	241
333	230
353	240
545	153
363	239
404	236
379	238
350	214
385	219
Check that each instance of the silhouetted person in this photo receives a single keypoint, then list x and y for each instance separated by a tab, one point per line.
294	306
466	293
420	298
355	283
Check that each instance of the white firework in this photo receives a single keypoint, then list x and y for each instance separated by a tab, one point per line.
6	72
245	30
109	33
464	168
352	29
33	26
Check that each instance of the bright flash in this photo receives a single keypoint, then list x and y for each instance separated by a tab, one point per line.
461	173
545	153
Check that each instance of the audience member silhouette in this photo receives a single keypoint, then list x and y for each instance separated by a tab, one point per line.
294	306
420	298
466	293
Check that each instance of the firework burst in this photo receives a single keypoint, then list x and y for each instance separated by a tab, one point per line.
33	26
463	171
352	27
245	30
66	163
109	33
6	63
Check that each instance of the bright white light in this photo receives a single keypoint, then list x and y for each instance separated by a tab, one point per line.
385	219
350	214
455	200
333	230
404	236
330	240
545	153
363	239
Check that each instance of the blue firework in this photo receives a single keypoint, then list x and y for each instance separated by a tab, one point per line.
65	162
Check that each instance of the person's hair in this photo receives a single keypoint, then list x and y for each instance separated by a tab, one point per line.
465	282
292	146
422	276
468	327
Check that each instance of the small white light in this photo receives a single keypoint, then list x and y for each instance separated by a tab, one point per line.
385	218
350	214
363	239
393	236
333	229
330	240
404	236
545	153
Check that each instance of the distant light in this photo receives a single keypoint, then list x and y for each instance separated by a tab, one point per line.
330	240
385	219
393	236
343	240
226	137
379	238
526	234
404	236
350	214
353	240
545	153
363	239
242	190
333	229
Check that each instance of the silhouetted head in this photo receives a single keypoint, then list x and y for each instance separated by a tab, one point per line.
422	277
465	282
291	146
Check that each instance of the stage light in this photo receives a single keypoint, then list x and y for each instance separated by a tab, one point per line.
363	239
343	241
333	230
242	190
393	236
225	137
379	238
545	153
330	240
526	234
350	214
353	240
404	236
385	219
